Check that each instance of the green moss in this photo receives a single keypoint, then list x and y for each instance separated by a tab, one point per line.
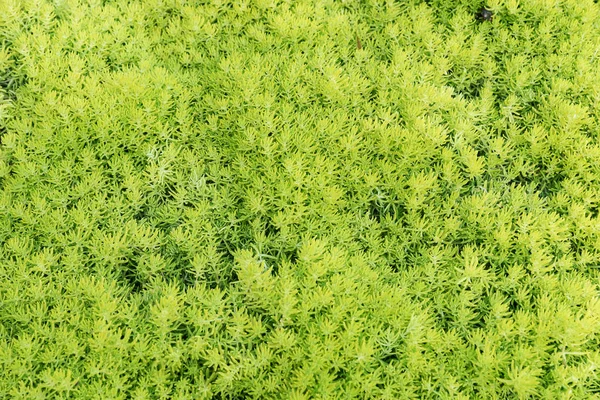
299	200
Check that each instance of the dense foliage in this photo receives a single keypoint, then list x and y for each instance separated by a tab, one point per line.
280	199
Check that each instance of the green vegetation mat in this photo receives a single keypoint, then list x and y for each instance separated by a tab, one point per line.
277	199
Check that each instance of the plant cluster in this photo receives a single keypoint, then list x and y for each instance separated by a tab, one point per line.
275	199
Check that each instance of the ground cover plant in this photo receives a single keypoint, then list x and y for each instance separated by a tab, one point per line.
279	199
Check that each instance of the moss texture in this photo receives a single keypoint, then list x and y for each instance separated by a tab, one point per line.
299	199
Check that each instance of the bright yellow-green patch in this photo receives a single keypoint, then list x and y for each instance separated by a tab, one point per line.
305	199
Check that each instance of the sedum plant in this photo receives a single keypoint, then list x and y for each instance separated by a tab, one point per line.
277	199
